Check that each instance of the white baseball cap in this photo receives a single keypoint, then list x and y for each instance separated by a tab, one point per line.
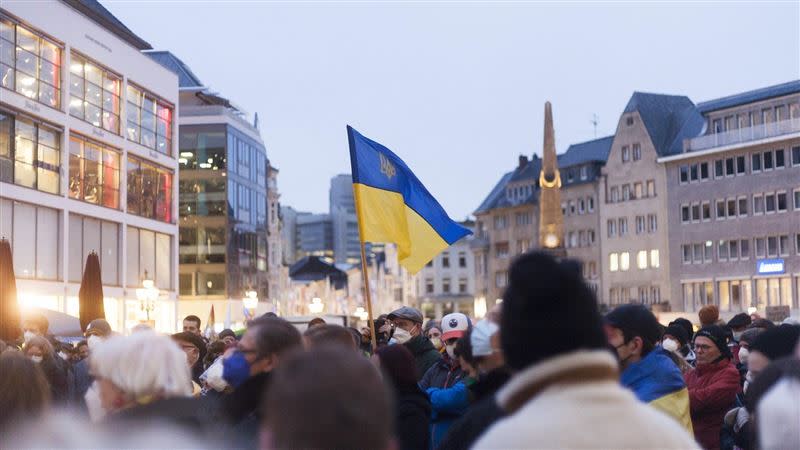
454	326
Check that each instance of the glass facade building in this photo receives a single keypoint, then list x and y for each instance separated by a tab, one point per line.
223	212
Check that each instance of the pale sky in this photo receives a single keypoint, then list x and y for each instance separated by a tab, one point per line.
457	89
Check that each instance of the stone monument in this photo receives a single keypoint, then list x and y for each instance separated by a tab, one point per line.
551	217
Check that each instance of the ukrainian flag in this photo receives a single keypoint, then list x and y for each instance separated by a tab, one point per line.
393	206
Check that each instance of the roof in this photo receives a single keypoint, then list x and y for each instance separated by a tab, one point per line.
530	171
186	78
669	119
756	95
312	268
498	191
594	150
97	12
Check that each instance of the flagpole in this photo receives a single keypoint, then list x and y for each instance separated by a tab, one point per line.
364	276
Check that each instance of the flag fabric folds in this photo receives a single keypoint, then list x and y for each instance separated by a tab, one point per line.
393	206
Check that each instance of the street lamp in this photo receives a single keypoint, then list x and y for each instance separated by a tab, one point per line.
361	313
316	306
250	300
147	296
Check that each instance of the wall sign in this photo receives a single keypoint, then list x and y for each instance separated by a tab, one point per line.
770	266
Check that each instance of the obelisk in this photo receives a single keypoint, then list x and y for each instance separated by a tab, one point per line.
551	217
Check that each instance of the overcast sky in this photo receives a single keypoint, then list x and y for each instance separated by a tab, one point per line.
458	89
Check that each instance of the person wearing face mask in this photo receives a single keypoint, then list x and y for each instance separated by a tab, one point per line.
407	325
41	352
738	324
195	348
247	369
96	332
674	340
433	330
647	368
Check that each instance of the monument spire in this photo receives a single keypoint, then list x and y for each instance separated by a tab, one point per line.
551	217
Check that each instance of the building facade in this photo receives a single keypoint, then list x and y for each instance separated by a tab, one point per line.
277	272
447	283
734	204
223	201
346	245
88	160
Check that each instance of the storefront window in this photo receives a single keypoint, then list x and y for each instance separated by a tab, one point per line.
149	190
94	94
30	64
150	252
786	291
30	153
774	292
35	236
149	120
724	296
93	172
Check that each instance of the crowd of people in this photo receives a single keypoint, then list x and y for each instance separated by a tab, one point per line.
543	369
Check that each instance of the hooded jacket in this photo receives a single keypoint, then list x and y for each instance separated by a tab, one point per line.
574	400
712	393
656	380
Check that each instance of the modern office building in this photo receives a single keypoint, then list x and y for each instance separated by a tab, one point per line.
88	160
314	236
447	283
223	200
346	245
734	204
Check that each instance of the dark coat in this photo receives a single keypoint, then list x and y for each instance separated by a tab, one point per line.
712	393
443	374
425	354
412	416
59	377
240	411
482	414
186	413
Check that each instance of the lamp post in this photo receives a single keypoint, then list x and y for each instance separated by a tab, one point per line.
147	296
361	313
250	301
316	306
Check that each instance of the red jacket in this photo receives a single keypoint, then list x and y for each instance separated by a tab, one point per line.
712	393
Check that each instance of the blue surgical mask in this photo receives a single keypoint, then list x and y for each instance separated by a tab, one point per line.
235	369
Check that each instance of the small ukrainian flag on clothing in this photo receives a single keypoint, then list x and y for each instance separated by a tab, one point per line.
393	206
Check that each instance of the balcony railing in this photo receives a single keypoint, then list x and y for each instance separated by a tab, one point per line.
216	110
742	135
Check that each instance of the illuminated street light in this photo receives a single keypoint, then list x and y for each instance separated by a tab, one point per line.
250	300
147	296
316	306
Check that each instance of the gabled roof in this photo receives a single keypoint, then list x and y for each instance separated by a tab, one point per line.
529	171
589	151
499	190
97	12
669	119
186	78
756	95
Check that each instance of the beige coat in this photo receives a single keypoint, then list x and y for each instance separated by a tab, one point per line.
575	401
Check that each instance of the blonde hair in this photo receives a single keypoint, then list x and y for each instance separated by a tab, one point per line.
143	365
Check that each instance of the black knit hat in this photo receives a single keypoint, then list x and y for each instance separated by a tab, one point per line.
740	320
686	324
777	342
635	320
547	301
679	333
718	336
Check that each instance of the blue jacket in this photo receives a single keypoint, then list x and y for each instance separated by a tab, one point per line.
448	405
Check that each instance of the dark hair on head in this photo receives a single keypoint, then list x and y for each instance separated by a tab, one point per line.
356	335
647	346
329	335
464	348
328	397
274	336
226	332
39	320
684	323
24	392
777	342
547	302
316	321
43	344
193	318
398	363
784	367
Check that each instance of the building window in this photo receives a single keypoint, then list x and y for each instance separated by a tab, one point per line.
626	154
729	167
500	222
626	192
695	212
708	251
780	159
446	261
758	204
87	234
731	208
740	165
501	279
722	250
611	226
150	252
767	160
641	259
590	203
742	206
651	188
590	236
784	244
462	259
769	202
684	174
624	261
760	247
772	246
797	200
755	163
30	153
623	226
94	94
429	285
93	172
640	224
149	120
686	251
733	249
584	173
571	208
501	249
697	253
720	209
796	156
744	249
522	218
149	190
613	262
573	239
581	206
523	245
693	172
652	223
706	207
637	190
30	64
637	152
782	203
654	259
35	236
462	285
704	171
614	194
446	285
718	168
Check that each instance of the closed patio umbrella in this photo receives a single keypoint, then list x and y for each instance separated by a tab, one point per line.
10	319
90	296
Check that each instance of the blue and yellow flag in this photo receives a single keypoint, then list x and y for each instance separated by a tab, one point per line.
393	206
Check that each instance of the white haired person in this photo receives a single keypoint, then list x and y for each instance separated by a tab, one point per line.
142	377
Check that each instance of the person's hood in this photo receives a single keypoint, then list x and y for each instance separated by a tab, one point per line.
419	345
654	376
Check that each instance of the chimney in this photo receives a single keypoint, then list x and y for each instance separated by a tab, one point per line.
523	161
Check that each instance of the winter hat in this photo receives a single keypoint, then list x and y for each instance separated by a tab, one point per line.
686	324
739	321
750	335
679	333
717	335
481	337
454	325
547	302
762	323
777	342
635	320
708	315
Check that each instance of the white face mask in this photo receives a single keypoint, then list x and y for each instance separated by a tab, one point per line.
92	341
744	353
63	356
669	345
213	376
451	350
36	359
401	336
437	343
28	335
